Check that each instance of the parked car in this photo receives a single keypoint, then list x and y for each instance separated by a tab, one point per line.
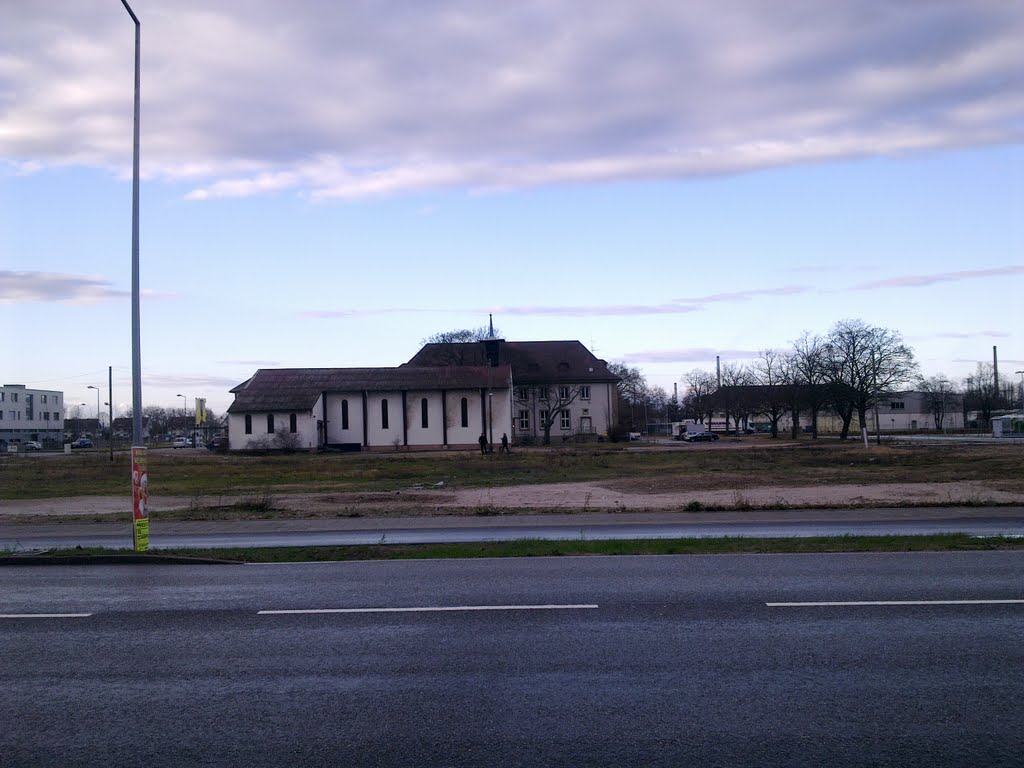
182	442
218	443
701	437
31	445
82	442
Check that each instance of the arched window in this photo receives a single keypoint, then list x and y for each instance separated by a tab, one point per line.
424	420
465	412
344	414
384	413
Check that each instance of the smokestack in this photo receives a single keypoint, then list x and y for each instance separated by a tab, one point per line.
995	369
490	321
718	370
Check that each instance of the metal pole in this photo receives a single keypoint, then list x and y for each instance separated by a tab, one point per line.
110	407
136	336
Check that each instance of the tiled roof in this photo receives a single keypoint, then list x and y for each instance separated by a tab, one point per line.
297	389
533	362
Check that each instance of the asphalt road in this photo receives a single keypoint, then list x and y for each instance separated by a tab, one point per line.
546	661
335	532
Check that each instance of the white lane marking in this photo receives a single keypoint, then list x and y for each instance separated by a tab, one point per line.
895	602
429	609
44	615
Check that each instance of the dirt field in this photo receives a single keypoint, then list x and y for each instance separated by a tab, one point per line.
560	498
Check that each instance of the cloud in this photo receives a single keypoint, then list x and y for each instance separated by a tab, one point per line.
973	335
251	363
917	281
35	287
606	310
786	290
689	355
342	101
189	385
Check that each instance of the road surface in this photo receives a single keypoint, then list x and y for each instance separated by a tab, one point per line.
768	660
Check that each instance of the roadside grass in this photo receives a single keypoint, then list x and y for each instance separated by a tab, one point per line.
693	468
537	548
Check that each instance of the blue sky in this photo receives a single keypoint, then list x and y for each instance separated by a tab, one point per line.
337	183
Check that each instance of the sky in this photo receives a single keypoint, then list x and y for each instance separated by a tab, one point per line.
327	184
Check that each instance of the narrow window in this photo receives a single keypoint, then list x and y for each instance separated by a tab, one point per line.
423	413
563	393
584	393
384	414
566	420
270	423
292	423
344	414
524	421
465	412
248	423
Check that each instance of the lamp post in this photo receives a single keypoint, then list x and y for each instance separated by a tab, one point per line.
99	424
184	406
136	336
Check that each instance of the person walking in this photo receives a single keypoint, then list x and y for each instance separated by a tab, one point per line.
504	444
483	442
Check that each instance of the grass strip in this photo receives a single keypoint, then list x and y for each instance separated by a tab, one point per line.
956	542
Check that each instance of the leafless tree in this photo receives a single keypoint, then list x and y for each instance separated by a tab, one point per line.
700	387
552	401
940	396
770	373
809	371
732	399
865	362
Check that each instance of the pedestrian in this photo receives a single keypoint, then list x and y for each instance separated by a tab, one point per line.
504	444
483	443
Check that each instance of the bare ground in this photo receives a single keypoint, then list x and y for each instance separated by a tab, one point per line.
563	498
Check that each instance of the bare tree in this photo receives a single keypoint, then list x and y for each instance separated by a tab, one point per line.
865	362
981	393
809	372
732	399
553	401
770	373
697	401
940	396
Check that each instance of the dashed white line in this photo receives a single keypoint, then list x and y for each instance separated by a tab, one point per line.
893	602
429	609
44	615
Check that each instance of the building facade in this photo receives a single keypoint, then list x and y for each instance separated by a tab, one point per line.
31	414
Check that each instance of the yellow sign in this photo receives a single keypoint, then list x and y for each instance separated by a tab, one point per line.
200	411
141	535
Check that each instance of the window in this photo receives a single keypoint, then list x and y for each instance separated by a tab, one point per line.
2	396
584	393
384	414
56	416
1	415
46	415
14	397
293	423
542	393
270	423
44	398
248	423
524	421
424	420
465	412
566	420
544	417
563	393
344	414
898	406
522	393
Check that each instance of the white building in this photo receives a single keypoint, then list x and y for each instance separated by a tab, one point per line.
31	414
367	408
446	396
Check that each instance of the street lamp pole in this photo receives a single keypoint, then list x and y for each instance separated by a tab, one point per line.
99	424
136	335
184	406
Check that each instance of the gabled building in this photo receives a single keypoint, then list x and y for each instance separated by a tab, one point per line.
446	396
559	387
367	408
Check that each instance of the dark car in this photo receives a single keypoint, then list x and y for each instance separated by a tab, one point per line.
701	437
82	442
218	443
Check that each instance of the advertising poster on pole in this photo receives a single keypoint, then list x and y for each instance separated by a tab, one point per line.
140	500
